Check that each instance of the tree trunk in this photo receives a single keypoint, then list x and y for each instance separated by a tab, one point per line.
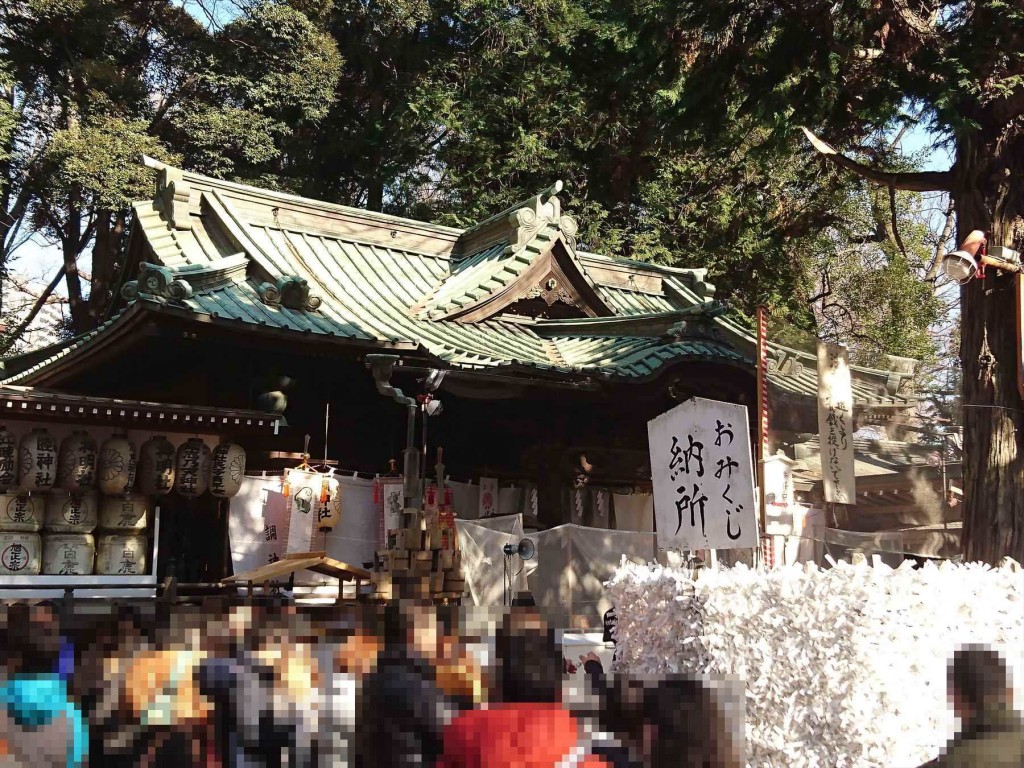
990	353
106	252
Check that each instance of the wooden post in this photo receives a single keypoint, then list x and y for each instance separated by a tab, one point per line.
762	414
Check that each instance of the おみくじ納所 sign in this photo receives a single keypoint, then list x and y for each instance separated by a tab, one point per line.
703	475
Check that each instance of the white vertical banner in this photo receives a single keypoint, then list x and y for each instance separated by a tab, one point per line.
703	474
488	496
277	526
835	424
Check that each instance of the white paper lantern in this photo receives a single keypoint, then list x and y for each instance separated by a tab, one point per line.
68	554
77	466
227	468
192	468
37	461
125	514
8	459
20	554
75	513
21	512
117	466
156	466
329	511
121	555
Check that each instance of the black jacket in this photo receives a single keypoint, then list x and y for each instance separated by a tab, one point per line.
401	713
256	719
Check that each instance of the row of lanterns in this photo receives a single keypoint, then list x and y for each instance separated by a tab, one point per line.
36	465
78	513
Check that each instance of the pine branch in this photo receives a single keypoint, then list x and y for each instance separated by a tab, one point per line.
920	181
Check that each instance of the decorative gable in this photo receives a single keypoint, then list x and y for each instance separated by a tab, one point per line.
538	267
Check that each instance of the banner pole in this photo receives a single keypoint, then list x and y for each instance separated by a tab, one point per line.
762	420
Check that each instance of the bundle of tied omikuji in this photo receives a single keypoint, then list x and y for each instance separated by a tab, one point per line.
842	667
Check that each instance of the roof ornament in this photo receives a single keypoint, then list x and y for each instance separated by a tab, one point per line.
158	281
537	212
783	363
175	196
700	285
291	292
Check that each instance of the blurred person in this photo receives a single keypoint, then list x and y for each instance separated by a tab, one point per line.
401	710
344	655
40	725
458	674
266	695
672	721
170	723
991	732
683	727
527	724
106	657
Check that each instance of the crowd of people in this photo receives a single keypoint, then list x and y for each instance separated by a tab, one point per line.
265	686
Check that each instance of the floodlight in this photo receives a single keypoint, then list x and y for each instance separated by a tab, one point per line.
959	266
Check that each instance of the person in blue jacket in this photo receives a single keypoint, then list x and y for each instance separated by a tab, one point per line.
34	696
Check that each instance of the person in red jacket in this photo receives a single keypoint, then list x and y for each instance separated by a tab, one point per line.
528	727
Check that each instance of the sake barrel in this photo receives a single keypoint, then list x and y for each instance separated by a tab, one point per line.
156	466
227	468
117	466
21	512
37	461
8	459
67	554
70	513
77	465
118	555
20	553
192	468
124	514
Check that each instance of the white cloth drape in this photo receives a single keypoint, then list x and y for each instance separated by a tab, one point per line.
634	512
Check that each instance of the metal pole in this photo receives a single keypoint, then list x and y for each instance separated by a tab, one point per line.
423	468
945	487
412	492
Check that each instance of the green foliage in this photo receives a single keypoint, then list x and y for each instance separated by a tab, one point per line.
92	85
672	124
100	160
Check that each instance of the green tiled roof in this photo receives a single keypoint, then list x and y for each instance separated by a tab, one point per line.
217	251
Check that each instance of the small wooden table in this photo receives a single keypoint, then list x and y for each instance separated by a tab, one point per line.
318	562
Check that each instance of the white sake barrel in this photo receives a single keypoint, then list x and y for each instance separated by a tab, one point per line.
66	554
118	555
37	461
70	513
127	514
156	467
21	512
117	466
78	457
227	468
8	459
192	468
20	554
